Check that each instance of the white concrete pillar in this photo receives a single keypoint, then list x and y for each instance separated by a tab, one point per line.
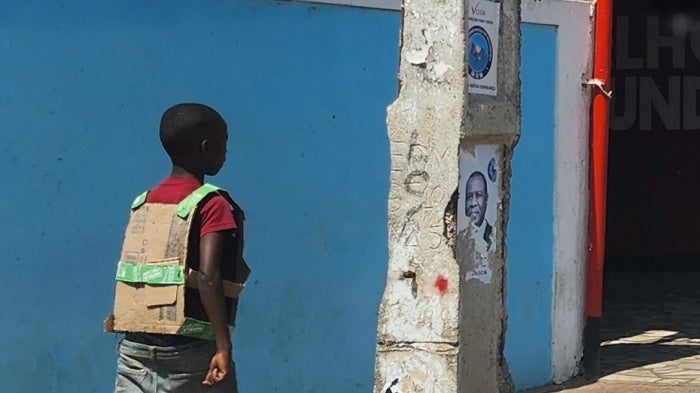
439	331
418	320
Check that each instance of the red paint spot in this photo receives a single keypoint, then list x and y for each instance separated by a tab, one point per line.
441	284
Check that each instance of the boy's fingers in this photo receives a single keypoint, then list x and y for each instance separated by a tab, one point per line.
218	370
214	376
209	379
218	375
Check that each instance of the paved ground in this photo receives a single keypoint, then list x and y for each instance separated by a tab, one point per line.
616	387
651	335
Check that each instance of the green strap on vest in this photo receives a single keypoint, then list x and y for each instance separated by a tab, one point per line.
185	207
149	274
140	200
199	329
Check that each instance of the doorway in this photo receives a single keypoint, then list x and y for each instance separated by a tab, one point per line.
651	314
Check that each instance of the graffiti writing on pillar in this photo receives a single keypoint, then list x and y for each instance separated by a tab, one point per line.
417	180
410	229
391	387
436	232
410	170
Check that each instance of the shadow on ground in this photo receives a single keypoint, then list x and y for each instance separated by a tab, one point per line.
650	326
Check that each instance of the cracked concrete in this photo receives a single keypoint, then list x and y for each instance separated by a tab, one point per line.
418	319
437	332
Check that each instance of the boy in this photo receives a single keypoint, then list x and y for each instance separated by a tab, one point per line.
194	136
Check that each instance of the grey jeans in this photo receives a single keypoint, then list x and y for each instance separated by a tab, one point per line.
152	369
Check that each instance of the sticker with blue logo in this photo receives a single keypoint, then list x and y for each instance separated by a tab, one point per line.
482	46
493	173
480	52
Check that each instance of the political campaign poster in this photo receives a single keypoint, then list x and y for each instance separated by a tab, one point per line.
482	50
479	196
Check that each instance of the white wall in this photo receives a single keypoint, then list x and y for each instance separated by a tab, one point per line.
574	55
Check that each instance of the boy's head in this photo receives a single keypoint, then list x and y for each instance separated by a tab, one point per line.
194	136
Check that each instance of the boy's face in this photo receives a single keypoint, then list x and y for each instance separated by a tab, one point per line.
215	151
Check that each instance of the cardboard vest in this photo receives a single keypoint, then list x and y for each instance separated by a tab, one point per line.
153	275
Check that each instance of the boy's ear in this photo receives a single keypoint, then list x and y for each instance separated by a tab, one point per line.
204	145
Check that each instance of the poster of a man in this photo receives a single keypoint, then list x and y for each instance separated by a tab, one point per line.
479	196
475	205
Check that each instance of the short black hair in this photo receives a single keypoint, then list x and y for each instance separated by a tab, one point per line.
182	126
476	174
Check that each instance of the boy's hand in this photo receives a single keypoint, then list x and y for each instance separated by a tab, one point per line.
211	292
219	368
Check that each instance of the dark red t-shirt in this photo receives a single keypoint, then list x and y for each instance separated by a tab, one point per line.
215	215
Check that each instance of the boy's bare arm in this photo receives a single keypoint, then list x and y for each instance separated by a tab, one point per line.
211	292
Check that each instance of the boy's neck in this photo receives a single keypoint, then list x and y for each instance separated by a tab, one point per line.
179	171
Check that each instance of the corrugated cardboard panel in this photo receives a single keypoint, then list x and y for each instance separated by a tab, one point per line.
132	310
154	235
161	295
231	289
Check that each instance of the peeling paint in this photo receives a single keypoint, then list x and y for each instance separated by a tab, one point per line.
440	69
417	56
419	314
439	330
482	270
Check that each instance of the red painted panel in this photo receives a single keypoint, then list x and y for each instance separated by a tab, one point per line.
598	157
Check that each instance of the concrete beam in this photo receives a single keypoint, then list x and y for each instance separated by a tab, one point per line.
493	128
439	331
418	319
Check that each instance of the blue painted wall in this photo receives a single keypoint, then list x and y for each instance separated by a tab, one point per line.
530	239
304	89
